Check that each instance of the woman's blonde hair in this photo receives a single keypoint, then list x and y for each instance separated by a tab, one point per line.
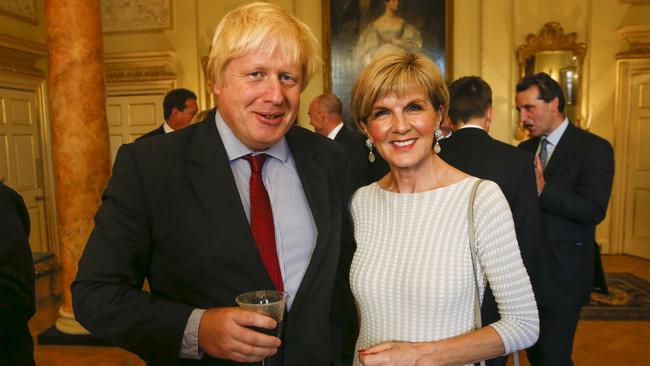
263	27
397	73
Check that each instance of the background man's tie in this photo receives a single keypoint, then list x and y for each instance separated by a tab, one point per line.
262	220
543	152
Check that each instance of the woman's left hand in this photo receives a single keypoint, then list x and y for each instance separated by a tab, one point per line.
392	353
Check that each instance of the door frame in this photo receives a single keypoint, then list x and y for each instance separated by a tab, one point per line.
625	70
17	60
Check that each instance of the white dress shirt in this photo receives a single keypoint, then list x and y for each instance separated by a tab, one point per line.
553	138
335	131
167	127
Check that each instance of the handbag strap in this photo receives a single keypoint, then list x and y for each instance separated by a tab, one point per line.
472	246
472	249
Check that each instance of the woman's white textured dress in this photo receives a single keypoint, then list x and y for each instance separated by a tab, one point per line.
412	276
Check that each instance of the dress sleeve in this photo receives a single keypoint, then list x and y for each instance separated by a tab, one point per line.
500	261
411	38
368	42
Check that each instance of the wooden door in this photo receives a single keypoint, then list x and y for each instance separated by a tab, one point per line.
637	181
131	116
20	158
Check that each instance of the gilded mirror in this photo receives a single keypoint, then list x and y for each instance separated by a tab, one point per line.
559	55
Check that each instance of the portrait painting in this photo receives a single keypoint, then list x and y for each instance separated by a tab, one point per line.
356	31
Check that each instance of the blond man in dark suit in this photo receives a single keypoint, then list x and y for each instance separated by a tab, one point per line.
179	211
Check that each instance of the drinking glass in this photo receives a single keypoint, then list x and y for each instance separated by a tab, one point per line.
268	302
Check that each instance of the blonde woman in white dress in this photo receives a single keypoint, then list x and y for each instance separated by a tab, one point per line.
412	274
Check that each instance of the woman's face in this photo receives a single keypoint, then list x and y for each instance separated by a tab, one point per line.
402	128
393	5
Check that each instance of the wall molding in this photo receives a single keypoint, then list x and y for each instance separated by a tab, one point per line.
136	16
19	56
140	66
638	37
23	10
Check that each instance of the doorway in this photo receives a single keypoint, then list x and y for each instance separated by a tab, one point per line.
21	163
630	226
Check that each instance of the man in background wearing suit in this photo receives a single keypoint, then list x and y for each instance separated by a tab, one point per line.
16	281
574	171
326	116
473	151
179	107
241	201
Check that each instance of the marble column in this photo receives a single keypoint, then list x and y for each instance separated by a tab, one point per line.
80	145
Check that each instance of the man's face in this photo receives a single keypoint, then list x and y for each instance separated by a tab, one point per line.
259	97
538	117
315	117
180	119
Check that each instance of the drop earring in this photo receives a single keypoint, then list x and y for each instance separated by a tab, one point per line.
437	134
371	155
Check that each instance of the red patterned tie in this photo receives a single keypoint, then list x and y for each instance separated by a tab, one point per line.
262	220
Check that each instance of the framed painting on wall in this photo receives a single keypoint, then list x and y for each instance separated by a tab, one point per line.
355	31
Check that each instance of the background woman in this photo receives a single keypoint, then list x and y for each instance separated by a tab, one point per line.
412	274
387	33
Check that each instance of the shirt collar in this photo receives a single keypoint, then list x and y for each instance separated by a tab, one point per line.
335	131
167	128
235	149
471	126
554	137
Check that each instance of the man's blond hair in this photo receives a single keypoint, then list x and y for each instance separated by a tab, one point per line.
263	27
397	73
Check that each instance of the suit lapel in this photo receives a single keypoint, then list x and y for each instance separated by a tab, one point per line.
211	177
562	151
530	145
339	136
314	180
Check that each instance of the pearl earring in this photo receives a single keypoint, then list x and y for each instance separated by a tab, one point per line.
371	155
437	134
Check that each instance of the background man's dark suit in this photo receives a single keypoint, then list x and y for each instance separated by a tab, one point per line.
578	180
363	172
474	152
353	142
158	131
16	281
172	213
